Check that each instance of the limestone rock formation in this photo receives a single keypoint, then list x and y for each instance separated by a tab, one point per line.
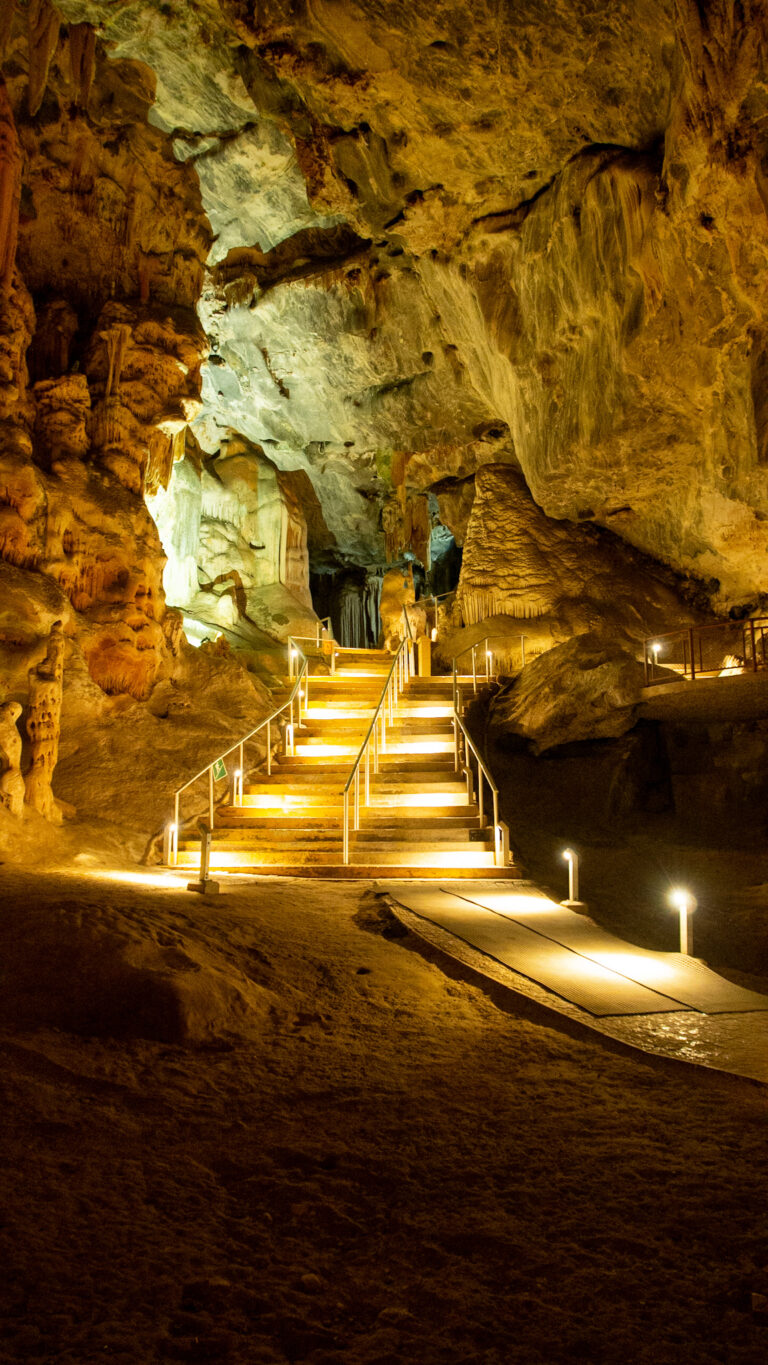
564	578
587	688
317	290
43	723
11	780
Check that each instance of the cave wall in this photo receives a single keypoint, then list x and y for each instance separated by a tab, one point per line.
355	256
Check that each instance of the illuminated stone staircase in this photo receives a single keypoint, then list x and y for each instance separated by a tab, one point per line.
420	822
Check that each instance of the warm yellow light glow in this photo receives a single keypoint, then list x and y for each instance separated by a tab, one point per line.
326	750
682	900
568	854
637	966
433	636
512	904
421	746
656	650
149	879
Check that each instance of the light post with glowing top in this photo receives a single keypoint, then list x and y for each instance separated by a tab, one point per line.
685	904
573	902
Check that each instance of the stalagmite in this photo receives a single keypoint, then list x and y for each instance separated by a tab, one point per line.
43	23
11	780
10	191
44	725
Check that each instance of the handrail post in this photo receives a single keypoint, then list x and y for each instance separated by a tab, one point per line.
368	775
474	669
357	797
754	646
645	662
496	829
345	829
693	655
480	794
455	744
210	795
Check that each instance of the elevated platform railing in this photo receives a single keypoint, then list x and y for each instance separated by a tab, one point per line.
719	649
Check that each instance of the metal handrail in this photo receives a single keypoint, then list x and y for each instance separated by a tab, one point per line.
753	654
171	835
399	675
488	656
500	850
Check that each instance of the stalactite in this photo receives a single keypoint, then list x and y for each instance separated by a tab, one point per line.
354	634
10	191
373	605
43	24
82	60
116	341
159	462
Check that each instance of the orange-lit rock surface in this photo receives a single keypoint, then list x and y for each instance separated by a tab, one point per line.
289	291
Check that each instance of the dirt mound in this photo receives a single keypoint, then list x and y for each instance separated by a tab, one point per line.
90	971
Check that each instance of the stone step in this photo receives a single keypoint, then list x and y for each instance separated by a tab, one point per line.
439	824
362	871
403	851
317	781
268	832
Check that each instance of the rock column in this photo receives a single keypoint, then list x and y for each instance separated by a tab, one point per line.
44	726
11	780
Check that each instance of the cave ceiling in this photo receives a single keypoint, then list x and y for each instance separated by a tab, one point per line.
425	237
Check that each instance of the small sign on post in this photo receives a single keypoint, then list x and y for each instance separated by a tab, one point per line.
219	769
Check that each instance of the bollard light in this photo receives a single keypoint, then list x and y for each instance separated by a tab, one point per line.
433	635
685	904
171	845
572	860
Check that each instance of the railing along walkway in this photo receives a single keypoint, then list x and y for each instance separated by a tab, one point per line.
720	649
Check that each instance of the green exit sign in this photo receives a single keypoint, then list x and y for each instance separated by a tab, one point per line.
219	768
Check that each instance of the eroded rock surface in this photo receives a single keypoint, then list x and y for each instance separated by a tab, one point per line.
587	688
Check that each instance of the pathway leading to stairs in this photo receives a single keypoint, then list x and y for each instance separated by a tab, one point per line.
664	1003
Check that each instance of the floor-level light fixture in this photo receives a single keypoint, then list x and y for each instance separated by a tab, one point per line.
572	859
685	904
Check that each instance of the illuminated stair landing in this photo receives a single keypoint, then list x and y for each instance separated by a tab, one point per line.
419	823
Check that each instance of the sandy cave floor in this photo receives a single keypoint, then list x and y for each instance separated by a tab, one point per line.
378	1164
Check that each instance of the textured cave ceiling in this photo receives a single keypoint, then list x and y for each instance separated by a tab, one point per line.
426	237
